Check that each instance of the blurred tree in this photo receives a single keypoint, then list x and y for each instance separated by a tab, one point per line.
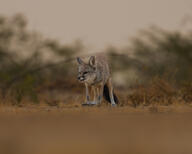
155	52
27	58
165	52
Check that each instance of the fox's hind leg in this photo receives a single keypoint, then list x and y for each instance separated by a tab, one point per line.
110	86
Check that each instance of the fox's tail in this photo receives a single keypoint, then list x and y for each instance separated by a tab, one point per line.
107	96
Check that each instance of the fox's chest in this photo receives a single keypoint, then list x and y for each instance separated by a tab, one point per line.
97	79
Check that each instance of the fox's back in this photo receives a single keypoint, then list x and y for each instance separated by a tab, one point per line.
102	67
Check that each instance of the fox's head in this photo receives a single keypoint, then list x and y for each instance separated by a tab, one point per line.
86	71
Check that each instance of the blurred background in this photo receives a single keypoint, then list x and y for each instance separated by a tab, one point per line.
149	45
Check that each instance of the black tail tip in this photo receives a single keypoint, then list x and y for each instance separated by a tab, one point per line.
107	96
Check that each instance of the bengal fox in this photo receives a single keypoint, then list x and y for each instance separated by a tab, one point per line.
96	75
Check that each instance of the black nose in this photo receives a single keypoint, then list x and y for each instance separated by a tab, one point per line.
78	77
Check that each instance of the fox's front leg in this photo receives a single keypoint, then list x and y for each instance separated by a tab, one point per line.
94	94
94	102
87	96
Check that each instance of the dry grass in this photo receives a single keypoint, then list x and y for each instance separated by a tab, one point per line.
160	92
70	94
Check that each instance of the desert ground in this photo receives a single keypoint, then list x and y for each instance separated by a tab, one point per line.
71	128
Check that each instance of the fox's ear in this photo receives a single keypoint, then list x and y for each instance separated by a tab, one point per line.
79	60
92	61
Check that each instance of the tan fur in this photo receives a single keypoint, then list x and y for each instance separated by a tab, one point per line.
95	74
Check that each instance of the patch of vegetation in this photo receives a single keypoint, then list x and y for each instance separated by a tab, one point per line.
28	60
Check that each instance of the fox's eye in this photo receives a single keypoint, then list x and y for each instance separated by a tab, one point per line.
85	72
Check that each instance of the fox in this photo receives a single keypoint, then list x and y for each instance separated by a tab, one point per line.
96	75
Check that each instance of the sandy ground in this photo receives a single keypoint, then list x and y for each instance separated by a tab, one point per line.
42	129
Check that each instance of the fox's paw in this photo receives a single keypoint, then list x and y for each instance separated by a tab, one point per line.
114	105
89	103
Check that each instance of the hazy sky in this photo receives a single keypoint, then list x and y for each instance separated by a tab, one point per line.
97	22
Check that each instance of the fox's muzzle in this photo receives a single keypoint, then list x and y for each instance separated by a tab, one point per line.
80	78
